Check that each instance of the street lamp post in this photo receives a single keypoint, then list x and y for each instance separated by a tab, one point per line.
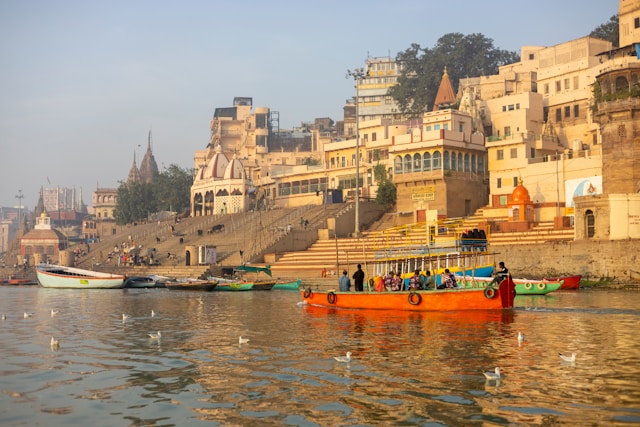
357	74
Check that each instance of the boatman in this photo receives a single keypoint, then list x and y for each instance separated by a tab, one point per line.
503	273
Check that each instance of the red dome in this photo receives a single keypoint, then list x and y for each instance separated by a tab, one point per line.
520	194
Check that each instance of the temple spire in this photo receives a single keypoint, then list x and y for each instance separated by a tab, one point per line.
445	98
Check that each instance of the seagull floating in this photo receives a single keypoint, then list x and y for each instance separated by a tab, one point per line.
153	313
53	312
345	359
4	316
124	317
520	337
54	343
155	336
495	375
27	314
243	340
566	358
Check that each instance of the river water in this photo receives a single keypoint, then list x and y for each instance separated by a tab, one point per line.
406	369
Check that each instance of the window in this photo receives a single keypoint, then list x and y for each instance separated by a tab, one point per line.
558	115
515	181
636	22
513	153
426	162
467	165
453	161
436	160
511	107
622	131
460	127
507	131
558	86
546	88
473	163
532	153
428	128
567	84
499	183
499	155
460	162
436	127
531	57
567	112
590	223
576	81
397	165
344	162
373	136
417	162
446	126
407	163
446	161
504	108
576	111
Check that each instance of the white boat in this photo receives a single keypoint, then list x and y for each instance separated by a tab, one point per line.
57	276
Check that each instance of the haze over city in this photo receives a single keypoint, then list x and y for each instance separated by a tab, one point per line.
83	83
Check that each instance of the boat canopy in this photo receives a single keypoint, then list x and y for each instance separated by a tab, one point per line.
252	269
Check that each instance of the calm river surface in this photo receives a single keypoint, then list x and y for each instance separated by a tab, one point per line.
407	369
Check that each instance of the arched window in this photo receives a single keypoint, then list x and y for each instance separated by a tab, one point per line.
437	158
397	165
417	162
454	158
622	84
473	163
426	161
590	223
447	165
407	163
467	166
481	164
460	162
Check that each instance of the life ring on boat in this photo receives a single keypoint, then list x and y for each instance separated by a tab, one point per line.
528	286
541	286
489	292
414	298
307	293
331	298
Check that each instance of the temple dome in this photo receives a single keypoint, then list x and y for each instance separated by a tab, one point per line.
520	194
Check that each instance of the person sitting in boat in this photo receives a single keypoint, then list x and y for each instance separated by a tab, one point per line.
396	283
501	274
388	281
429	283
448	280
415	283
378	284
344	282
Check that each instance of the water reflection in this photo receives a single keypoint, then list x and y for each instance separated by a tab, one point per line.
407	368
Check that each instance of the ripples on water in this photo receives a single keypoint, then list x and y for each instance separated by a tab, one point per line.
407	368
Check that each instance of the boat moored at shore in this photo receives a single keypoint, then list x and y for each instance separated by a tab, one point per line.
58	276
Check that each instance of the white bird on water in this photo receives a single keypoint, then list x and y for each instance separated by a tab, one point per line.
520	338
345	359
53	312
153	313
27	314
4	316
54	343
495	375
124	317
566	358
243	340
155	336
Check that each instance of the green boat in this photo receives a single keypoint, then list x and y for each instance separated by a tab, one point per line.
536	287
234	286
289	286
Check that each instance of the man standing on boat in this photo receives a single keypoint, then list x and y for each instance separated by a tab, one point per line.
358	279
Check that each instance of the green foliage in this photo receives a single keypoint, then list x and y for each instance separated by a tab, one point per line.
310	161
470	55
387	194
608	31
169	190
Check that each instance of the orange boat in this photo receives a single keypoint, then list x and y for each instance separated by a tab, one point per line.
429	300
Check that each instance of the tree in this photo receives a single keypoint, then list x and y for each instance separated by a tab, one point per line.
463	56
387	194
167	190
609	31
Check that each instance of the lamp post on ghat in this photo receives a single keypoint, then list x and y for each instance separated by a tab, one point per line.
358	74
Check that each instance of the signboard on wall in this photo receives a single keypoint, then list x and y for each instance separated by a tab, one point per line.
427	192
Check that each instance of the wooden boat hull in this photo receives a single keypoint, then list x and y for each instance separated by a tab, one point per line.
140	282
288	286
523	286
568	282
234	286
430	300
203	285
17	282
54	276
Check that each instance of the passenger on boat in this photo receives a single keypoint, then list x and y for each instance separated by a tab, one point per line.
415	283
396	283
378	284
449	280
429	283
358	279
501	274
388	281
345	282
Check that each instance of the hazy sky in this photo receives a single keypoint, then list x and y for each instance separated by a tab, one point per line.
82	82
